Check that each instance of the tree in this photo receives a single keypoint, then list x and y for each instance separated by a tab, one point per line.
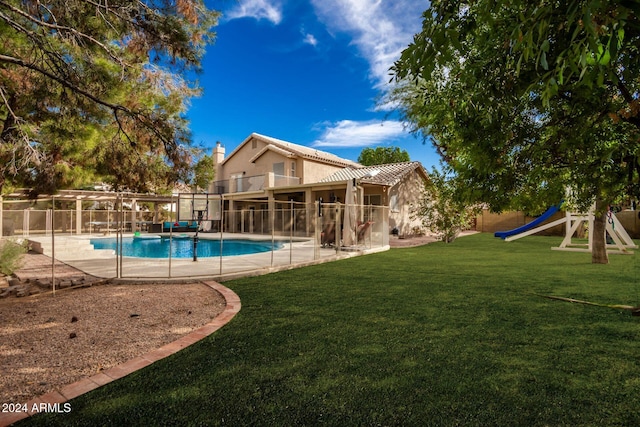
91	89
382	155
524	100
203	172
441	210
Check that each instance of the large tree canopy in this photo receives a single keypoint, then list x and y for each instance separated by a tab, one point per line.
382	155
526	99
98	89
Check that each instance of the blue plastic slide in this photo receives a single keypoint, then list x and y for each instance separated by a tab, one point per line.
536	222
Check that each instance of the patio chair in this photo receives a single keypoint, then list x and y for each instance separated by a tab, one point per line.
328	235
362	229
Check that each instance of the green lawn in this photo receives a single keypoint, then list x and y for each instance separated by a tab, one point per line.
434	335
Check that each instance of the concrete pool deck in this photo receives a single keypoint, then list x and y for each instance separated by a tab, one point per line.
296	252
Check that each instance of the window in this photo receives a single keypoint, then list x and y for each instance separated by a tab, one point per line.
394	206
373	199
371	213
254	144
278	168
293	169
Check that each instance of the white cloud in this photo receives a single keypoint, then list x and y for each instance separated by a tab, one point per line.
348	133
380	29
257	9
310	39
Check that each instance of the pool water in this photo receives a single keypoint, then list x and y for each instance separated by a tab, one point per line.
182	247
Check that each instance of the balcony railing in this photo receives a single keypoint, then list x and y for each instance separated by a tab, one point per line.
285	181
253	183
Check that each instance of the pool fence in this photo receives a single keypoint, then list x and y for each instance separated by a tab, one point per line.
305	233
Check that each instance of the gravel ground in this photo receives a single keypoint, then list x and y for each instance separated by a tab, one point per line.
47	342
411	241
396	242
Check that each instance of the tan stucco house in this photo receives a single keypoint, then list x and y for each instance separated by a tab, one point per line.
262	171
397	186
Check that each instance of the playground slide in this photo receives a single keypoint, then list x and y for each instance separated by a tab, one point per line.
536	222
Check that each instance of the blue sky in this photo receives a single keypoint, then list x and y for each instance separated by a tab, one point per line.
308	72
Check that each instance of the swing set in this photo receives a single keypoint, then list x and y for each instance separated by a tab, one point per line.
621	242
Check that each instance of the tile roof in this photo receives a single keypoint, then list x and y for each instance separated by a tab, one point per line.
300	150
389	174
271	147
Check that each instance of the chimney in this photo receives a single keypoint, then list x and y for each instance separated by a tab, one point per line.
218	157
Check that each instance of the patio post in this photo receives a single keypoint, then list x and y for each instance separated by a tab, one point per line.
338	242
26	219
109	217
308	196
119	226
171	216
78	215
53	246
221	229
134	215
316	230
291	234
273	225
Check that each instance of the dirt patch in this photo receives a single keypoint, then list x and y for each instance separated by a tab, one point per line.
411	241
396	242
47	342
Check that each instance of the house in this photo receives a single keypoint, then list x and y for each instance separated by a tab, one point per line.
261	162
264	174
397	186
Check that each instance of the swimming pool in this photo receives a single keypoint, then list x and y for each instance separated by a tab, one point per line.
182	247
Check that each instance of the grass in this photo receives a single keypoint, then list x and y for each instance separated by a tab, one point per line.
434	335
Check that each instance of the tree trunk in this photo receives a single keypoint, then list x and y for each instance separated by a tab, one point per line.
599	250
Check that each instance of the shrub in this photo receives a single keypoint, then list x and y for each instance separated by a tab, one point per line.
11	253
441	209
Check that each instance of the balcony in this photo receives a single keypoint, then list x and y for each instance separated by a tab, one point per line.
254	183
282	180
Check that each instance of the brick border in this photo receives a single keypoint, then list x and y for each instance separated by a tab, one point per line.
55	399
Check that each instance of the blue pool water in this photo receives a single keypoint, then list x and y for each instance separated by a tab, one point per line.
183	247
